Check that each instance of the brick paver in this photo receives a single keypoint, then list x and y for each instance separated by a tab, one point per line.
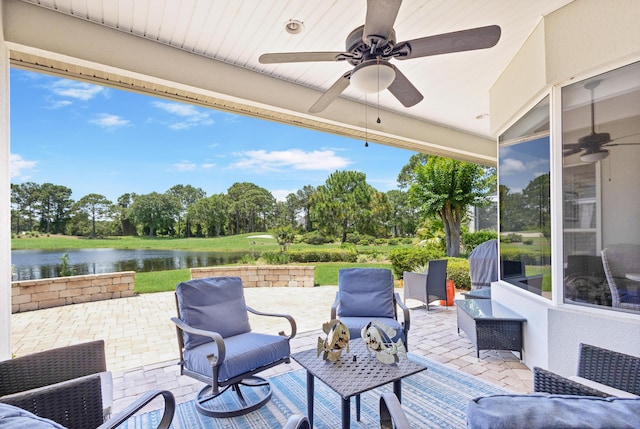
142	351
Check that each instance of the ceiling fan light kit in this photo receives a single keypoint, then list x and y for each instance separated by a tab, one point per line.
370	47
373	76
594	156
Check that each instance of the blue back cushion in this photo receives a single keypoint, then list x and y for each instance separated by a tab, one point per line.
214	304
365	292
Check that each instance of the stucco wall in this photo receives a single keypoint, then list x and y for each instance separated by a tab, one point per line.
262	275
27	295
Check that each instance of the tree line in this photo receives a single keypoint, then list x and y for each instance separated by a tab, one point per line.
430	188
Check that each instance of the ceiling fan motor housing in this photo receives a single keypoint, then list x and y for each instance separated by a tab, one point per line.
362	51
594	141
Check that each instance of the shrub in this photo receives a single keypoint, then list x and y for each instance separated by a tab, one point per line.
363	242
528	256
407	240
511	238
247	259
471	240
406	259
276	258
315	238
333	255
458	272
528	241
380	241
392	242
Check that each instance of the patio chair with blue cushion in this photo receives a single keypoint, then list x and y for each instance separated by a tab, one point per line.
218	347
365	295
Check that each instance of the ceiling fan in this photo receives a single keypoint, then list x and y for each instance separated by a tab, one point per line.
592	144
370	47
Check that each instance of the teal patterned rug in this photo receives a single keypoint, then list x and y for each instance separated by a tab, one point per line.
435	398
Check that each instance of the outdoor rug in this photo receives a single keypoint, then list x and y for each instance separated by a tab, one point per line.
435	398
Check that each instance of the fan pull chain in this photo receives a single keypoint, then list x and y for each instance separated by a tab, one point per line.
378	106
366	123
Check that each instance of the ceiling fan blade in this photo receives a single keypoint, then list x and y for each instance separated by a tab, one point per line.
622	144
404	90
571	150
299	57
381	15
457	41
331	94
622	138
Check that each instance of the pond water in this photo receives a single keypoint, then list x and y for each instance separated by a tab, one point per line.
38	264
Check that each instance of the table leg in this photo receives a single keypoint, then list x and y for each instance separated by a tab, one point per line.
346	413
397	389
310	382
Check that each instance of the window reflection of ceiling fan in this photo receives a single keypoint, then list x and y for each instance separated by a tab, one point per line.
370	47
592	144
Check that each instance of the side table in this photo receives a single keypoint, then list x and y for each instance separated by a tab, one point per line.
348	377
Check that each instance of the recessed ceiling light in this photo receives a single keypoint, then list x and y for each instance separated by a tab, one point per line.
293	26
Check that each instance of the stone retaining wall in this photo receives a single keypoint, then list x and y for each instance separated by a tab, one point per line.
262	275
29	295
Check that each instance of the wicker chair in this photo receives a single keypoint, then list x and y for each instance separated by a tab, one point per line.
607	368
618	260
428	287
65	385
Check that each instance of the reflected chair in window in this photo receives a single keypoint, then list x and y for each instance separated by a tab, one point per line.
366	294
428	287
218	347
619	260
584	280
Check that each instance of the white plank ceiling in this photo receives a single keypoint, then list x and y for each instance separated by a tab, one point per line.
455	86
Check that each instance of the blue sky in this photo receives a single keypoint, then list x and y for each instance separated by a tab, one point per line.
94	139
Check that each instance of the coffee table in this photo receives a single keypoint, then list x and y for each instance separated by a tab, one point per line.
350	378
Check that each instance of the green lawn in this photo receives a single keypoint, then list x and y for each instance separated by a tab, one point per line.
234	243
162	281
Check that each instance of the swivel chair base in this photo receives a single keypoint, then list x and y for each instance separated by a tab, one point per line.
250	394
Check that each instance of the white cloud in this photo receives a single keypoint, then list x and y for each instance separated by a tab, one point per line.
296	159
185	165
18	165
79	90
106	120
511	166
281	194
192	116
59	104
207	166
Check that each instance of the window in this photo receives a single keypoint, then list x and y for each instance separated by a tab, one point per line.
601	176
524	202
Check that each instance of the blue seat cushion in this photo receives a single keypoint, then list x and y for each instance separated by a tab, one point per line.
552	411
244	353
365	292
16	418
355	325
214	304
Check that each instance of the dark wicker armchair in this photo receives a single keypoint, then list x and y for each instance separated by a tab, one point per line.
596	365
65	385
